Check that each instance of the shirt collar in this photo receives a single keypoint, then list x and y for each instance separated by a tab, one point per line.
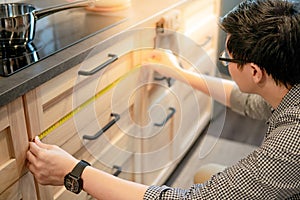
291	99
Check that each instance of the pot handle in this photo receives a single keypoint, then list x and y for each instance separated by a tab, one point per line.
38	14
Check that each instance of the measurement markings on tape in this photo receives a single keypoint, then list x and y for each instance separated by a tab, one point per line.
83	105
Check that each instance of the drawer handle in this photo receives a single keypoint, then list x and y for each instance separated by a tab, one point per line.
173	110
103	65
168	79
106	127
208	38
119	170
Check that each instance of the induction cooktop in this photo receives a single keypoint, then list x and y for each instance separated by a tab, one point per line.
53	34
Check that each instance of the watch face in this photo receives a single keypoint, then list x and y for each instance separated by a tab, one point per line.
73	184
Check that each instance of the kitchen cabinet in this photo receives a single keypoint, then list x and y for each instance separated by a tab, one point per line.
157	135
141	147
72	109
125	118
173	116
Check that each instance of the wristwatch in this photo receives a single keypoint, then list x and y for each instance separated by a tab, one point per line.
73	181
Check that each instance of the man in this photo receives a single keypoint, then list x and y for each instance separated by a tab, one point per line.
262	54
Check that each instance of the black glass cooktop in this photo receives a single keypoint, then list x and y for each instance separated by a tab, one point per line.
54	33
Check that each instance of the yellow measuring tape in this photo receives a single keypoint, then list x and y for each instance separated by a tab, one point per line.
83	105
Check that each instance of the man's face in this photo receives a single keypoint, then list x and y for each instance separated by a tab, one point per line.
240	75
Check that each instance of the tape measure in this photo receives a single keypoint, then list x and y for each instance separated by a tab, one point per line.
83	105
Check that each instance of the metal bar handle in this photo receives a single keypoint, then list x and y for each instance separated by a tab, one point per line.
106	127
119	170
160	78
208	39
173	110
103	65
168	79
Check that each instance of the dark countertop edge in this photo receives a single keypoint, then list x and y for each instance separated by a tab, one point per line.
33	76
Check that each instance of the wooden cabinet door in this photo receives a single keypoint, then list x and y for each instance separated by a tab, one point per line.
13	148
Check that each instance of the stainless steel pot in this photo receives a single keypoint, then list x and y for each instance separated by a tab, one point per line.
18	20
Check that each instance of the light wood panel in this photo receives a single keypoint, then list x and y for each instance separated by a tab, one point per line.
13	148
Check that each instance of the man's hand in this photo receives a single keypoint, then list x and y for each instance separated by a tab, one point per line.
49	163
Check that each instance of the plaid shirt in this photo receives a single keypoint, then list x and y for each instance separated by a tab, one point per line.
272	171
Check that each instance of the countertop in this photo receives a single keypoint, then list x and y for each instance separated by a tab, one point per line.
31	77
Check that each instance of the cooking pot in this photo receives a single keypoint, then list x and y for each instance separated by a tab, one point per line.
18	20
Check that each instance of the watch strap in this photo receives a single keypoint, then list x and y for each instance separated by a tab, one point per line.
78	169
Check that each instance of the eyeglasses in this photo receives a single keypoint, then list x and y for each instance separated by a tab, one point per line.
225	60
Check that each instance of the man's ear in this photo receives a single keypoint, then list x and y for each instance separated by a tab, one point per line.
257	73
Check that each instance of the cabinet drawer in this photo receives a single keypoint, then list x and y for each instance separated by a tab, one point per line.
158	132
194	111
82	119
94	116
61	95
200	22
157	156
114	159
157	136
195	107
